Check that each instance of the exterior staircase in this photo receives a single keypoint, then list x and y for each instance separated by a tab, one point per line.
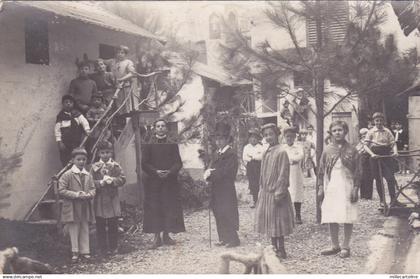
47	210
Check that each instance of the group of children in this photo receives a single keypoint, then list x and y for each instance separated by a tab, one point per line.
341	173
280	194
91	196
86	102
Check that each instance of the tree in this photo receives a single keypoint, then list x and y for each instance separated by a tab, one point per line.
175	57
317	60
372	70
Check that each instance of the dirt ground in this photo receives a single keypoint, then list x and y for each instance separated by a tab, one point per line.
193	255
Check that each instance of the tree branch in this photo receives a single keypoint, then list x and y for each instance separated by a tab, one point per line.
337	103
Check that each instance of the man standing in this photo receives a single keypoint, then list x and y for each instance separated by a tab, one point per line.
162	203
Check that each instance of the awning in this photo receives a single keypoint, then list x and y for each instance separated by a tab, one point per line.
218	74
89	13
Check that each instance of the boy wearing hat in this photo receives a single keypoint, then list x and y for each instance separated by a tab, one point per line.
380	141
252	156
77	189
70	125
108	176
222	175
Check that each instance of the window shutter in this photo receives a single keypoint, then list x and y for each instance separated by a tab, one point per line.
334	28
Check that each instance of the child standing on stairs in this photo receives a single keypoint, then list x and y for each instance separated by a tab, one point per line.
77	189
108	176
339	176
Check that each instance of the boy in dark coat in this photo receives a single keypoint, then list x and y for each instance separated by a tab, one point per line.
161	162
69	128
222	175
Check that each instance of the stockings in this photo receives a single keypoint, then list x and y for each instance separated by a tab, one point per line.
278	243
298	206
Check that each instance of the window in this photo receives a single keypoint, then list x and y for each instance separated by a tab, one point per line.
36	42
302	79
106	51
334	28
232	20
215	28
173	129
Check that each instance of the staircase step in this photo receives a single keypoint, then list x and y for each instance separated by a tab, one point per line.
50	201
43	222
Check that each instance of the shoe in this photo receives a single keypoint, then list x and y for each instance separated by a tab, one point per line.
344	253
156	243
113	252
74	257
299	221
381	206
168	241
232	244
252	206
330	251
86	257
281	253
220	243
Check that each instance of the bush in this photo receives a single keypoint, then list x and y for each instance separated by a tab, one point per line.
195	194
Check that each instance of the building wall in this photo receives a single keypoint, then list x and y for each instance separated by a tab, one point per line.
31	96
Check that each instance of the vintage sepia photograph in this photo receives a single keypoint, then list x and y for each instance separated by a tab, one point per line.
210	137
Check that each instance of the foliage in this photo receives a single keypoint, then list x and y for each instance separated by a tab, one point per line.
372	70
195	194
360	62
174	57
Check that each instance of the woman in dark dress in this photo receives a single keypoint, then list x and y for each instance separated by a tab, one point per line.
162	202
221	175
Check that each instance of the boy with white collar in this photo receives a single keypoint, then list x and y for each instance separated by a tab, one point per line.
108	177
77	189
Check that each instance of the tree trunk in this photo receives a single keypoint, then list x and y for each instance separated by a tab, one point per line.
319	102
364	111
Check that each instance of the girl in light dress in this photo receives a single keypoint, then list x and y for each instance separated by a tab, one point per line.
296	154
339	178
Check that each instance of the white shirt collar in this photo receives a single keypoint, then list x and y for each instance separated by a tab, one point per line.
76	170
223	150
160	137
110	161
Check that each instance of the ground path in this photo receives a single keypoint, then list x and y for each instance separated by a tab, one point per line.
192	254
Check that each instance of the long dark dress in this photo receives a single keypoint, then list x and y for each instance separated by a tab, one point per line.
223	199
162	200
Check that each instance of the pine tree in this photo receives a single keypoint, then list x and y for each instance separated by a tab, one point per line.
350	62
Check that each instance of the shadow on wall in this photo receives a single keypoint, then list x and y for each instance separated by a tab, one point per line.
8	165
